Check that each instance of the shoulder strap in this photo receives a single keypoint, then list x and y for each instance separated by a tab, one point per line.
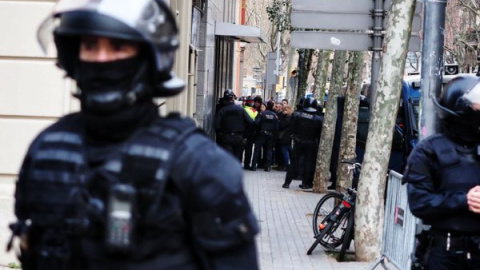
147	158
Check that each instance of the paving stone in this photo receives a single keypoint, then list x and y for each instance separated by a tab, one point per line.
285	220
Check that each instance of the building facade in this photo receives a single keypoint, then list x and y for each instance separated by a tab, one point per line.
34	92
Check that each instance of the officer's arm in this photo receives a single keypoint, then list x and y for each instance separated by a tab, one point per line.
20	187
223	225
424	201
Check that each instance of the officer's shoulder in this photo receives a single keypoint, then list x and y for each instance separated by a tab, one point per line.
178	117
429	143
174	124
64	123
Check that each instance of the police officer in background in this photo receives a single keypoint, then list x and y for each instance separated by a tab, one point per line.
267	128
443	181
249	133
230	124
307	127
116	186
292	169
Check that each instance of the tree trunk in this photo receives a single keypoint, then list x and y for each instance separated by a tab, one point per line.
292	82
369	214
304	66
350	119
322	74
322	170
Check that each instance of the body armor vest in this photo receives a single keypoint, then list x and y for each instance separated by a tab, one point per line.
232	119
268	121
306	127
458	170
62	186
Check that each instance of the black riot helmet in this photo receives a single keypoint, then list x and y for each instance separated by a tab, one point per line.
147	22
310	104
459	106
228	94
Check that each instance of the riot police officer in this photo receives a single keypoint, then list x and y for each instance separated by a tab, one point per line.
307	127
443	184
231	123
116	186
249	133
292	169
267	128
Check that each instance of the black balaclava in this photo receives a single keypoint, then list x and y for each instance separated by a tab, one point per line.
115	97
461	133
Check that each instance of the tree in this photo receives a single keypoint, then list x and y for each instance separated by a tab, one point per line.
369	214
462	33
304	67
321	74
350	118
322	171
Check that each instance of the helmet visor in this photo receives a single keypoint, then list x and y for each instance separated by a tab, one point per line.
147	17
472	97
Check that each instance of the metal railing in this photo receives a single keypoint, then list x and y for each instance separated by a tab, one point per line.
398	228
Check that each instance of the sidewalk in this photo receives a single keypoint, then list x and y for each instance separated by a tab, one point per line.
285	219
284	216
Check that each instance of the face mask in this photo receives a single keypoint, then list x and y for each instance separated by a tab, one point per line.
471	118
107	87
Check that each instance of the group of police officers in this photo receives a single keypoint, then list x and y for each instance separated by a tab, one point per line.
116	186
239	128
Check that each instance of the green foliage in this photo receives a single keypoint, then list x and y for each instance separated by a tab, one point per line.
278	16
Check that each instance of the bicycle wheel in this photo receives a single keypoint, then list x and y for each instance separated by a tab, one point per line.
324	207
348	236
333	237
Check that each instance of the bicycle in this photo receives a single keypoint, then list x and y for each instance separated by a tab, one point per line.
335	211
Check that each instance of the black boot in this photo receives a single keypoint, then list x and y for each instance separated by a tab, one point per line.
285	185
304	186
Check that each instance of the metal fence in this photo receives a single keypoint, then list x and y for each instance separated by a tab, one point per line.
399	226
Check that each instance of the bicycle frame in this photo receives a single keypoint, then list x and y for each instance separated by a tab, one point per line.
347	203
331	222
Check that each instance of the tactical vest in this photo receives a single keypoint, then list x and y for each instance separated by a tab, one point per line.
59	179
306	128
458	171
232	119
268	121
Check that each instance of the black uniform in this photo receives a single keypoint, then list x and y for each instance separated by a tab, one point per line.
231	123
442	173
267	127
439	174
116	186
307	127
182	208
